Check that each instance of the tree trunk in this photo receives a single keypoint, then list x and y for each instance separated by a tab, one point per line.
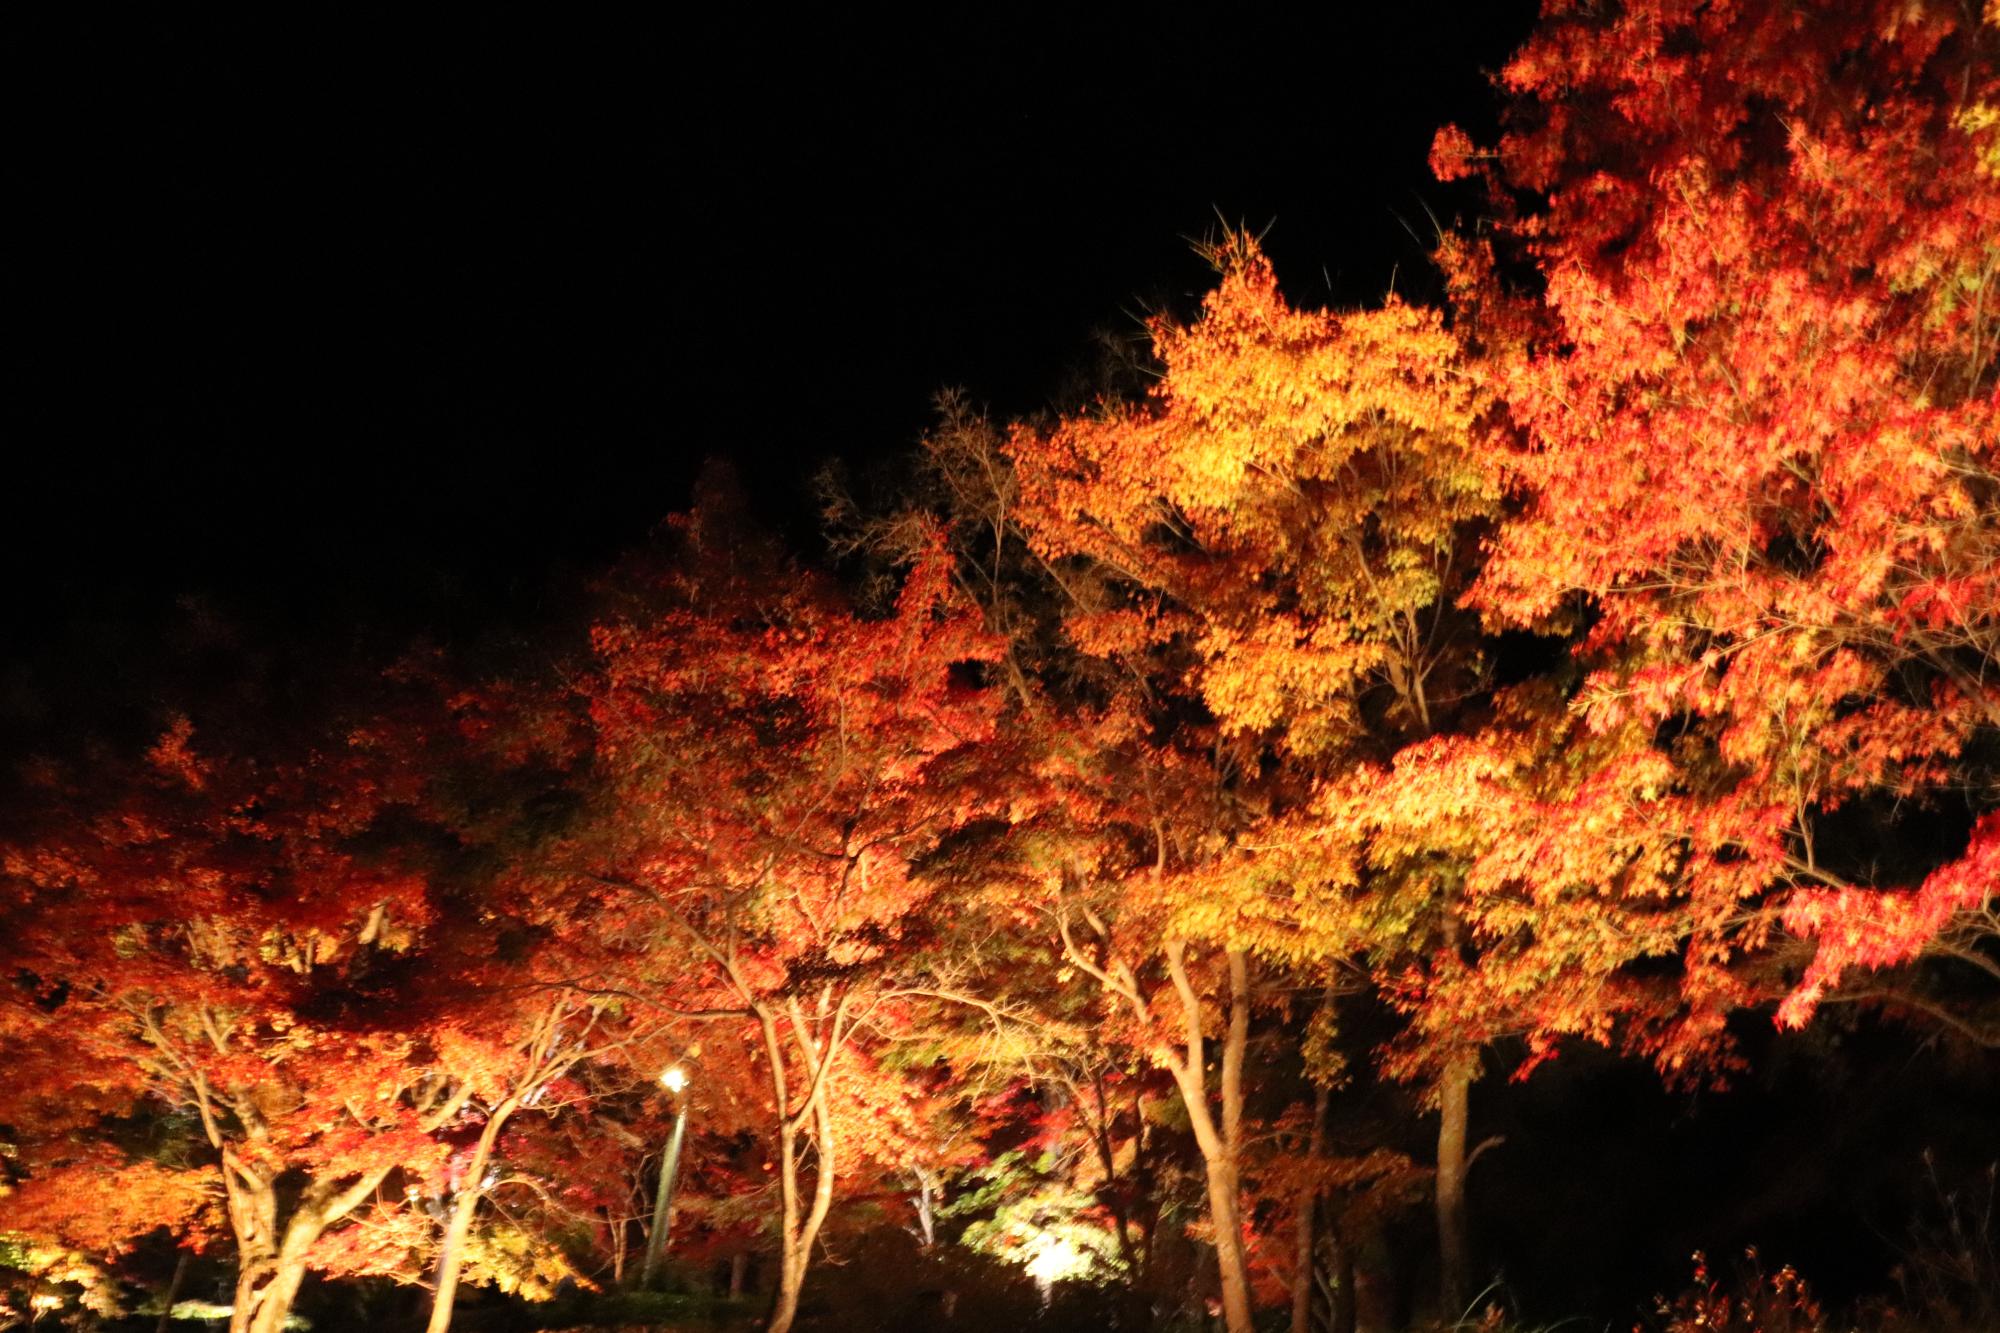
926	1207
451	1251
785	1305
1346	1308
271	1261
252	1203
797	1235
791	1281
271	1268
267	1285
1111	1195
173	1293
1454	1261
1224	1211
798	1245
264	1294
1303	1262
1455	1113
1220	1147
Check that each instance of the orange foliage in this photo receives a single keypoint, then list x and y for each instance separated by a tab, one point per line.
1757	417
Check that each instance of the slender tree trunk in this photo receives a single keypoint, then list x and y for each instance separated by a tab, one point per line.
798	1245
1107	1158
1234	1269
791	1275
1220	1146
1303	1249
1345	1307
464	1207
173	1293
800	1233
926	1207
1455	1114
1303	1263
1454	1260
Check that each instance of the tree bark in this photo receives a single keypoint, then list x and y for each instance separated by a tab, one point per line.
173	1293
1229	1258
269	1274
1455	1114
798	1234
1345	1306
1454	1260
267	1286
791	1274
264	1294
1303	1250
1112	1195
451	1251
798	1245
1221	1146
926	1207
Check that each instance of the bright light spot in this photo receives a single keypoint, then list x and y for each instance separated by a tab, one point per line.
675	1079
1053	1258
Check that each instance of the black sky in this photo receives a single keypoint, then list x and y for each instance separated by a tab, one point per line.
319	320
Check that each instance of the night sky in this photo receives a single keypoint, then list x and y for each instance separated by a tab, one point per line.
400	326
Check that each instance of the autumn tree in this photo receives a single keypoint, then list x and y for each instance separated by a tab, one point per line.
1757	435
1270	548
775	769
215	935
514	1052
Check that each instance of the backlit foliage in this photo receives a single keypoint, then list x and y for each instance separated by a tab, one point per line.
1757	423
1294	501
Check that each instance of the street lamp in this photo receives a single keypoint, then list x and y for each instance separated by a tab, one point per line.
673	1080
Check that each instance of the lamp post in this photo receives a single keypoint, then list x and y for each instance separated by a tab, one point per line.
674	1080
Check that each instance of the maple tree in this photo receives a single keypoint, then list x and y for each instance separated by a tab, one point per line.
514	1057
216	936
1279	533
776	768
298	955
1756	408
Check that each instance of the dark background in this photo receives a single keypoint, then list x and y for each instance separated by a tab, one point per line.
387	323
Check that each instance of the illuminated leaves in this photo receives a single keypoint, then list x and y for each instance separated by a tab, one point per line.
93	1200
1759	428
1293	503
